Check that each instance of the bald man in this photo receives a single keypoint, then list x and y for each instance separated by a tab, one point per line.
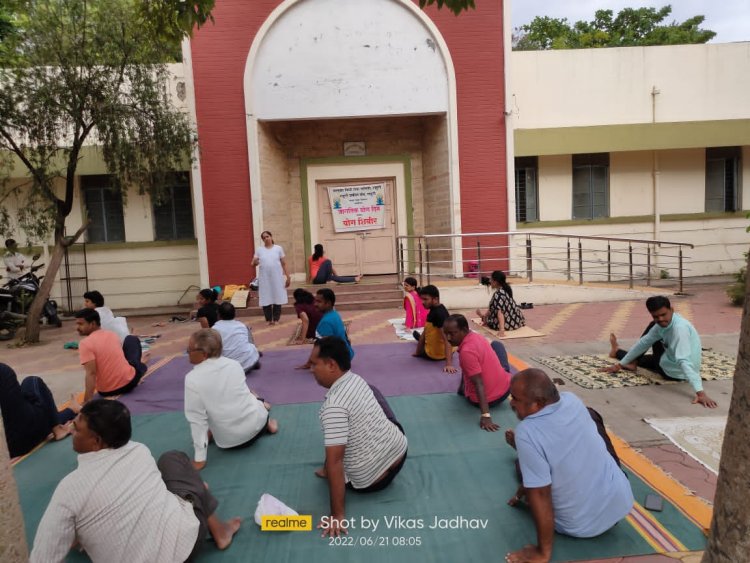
571	482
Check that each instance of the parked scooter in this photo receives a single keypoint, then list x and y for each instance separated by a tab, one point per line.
17	295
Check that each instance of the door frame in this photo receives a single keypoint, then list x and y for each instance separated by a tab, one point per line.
314	170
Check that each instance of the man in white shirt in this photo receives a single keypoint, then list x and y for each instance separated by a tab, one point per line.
236	339
120	506
218	402
118	325
15	262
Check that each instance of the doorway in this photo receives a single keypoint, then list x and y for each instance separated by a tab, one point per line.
363	251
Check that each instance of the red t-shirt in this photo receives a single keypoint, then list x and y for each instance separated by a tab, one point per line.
475	356
112	369
315	265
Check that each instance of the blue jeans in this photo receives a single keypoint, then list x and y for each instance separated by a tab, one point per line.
501	354
29	411
325	274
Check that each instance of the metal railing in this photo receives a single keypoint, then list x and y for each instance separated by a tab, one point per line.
549	255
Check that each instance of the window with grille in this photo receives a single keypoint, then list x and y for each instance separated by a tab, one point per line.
723	179
103	209
590	186
527	192
173	217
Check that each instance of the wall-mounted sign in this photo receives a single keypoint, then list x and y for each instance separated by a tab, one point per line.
357	208
355	148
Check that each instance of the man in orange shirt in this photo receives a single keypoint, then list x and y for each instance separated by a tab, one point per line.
111	369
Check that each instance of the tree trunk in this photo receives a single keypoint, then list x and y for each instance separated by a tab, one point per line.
729	540
12	534
35	311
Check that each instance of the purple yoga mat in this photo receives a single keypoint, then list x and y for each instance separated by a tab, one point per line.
389	367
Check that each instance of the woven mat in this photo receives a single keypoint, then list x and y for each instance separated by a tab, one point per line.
298	328
523	332
700	437
584	370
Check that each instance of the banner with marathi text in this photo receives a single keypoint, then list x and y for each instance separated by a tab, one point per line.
357	208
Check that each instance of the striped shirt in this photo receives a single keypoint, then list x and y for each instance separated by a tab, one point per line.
119	509
351	416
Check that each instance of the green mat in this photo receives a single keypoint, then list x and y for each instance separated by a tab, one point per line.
454	469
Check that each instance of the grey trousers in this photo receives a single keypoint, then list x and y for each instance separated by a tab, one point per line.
182	479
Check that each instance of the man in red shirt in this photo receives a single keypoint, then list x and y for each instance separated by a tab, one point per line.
484	381
110	368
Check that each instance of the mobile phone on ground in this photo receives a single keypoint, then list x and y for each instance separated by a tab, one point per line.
654	503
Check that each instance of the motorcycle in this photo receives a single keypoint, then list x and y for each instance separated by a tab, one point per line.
18	293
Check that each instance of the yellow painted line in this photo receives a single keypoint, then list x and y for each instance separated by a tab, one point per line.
687	502
685	309
618	320
559	319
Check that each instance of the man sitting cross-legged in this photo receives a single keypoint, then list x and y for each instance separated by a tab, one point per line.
236	338
432	343
484	380
118	325
676	349
29	412
218	401
365	447
330	323
120	506
571	482
110	368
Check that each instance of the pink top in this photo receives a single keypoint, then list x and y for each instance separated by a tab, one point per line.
112	369
416	314
476	357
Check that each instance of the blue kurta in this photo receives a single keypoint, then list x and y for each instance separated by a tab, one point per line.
682	350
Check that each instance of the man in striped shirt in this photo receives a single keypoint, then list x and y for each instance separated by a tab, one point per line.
365	446
121	507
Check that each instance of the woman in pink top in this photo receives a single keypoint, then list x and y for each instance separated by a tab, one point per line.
416	314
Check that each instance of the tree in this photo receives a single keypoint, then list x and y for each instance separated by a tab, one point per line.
631	27
455	6
729	539
86	72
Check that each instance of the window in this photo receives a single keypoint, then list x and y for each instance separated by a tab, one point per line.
722	179
173	218
527	194
104	210
590	186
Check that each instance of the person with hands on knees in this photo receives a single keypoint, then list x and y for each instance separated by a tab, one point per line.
484	381
676	349
365	447
432	343
571	482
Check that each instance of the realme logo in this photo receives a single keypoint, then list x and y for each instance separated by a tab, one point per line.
301	523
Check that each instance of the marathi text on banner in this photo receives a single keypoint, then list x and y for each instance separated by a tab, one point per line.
357	208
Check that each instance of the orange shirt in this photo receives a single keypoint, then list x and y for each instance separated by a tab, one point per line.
315	265
112	369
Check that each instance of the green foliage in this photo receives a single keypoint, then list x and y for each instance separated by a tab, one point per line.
631	27
88	72
736	291
455	6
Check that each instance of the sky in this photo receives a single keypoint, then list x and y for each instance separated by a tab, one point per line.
730	19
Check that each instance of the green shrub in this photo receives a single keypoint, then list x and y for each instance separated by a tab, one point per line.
736	291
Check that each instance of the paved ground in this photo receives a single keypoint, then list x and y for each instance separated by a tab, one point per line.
569	329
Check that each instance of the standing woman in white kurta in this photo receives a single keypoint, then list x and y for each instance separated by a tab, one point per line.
273	278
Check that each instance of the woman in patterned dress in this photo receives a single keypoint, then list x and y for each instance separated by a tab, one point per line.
503	313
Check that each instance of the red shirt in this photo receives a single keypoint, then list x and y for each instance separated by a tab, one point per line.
315	265
476	357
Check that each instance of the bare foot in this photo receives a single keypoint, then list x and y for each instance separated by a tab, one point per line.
321	472
272	426
73	404
613	345
223	532
61	431
479	313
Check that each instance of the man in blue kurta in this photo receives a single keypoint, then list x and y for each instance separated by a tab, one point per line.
676	349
